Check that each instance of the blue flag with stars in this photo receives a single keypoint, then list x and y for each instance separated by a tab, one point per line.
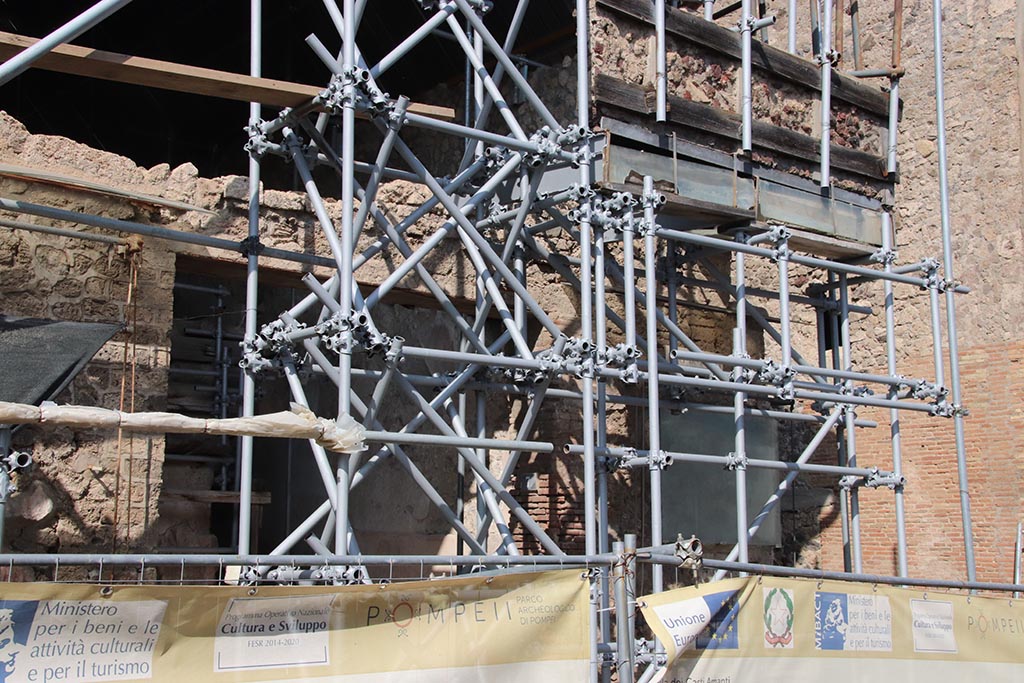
721	632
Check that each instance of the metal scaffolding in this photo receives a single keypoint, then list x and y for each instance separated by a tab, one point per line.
512	185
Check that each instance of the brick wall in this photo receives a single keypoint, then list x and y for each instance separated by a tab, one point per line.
993	383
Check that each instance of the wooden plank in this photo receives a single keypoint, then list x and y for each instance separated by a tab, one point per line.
209	497
725	124
696	29
152	73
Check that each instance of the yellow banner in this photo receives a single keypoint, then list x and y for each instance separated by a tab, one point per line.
502	628
762	628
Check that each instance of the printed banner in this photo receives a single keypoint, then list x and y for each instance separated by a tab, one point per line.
532	626
800	631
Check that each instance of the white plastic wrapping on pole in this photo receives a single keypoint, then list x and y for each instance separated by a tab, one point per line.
344	435
69	31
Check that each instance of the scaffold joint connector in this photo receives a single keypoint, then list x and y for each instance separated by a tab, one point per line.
890	480
736	461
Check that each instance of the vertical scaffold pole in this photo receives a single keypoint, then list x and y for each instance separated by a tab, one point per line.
601	339
825	56
251	288
739	348
661	58
894	415
348	122
791	28
894	87
947	269
850	432
653	399
623	639
746	87
586	298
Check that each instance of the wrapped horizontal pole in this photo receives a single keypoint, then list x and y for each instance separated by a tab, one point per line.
343	436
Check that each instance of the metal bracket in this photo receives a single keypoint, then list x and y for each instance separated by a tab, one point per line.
658	460
258	144
884	256
690	552
850	481
736	462
251	246
890	480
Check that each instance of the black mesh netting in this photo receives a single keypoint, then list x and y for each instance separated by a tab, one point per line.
39	358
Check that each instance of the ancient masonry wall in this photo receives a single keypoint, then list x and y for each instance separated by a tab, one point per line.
983	110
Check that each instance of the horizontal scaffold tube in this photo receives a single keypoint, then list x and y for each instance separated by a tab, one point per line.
530	388
117	225
725	460
644	555
209	560
810	261
463	442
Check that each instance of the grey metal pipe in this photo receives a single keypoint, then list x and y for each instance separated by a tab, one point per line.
825	150
622	641
481	195
653	413
484	492
18	206
45	229
479	467
786	344
892	135
69	31
393	448
894	415
484	103
1017	557
947	266
746	76
643	457
484	78
849	432
821	575
783	486
415	38
811	261
499	53
267	561
791	27
739	349
319	454
844	503
251	289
